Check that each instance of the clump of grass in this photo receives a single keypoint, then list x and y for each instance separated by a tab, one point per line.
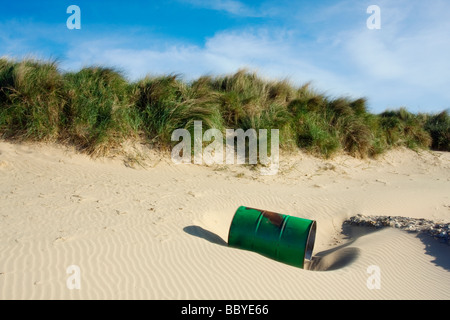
326	126
166	104
402	128
31	99
378	143
312	128
348	117
248	102
315	135
438	126
98	114
6	80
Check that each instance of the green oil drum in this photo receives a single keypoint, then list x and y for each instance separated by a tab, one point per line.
281	237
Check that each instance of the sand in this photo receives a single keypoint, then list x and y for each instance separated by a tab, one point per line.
145	228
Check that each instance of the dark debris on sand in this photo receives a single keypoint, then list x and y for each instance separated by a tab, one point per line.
439	231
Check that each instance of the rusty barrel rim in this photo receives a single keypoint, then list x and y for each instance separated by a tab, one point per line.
281	237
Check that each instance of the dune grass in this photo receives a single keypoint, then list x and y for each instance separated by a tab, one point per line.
166	103
402	128
438	126
31	99
99	112
96	109
247	102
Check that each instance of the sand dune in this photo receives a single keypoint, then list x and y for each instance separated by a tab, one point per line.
159	230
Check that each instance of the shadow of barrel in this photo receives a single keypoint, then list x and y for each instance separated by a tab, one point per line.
205	234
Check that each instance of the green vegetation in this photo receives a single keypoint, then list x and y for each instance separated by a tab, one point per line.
401	127
31	99
96	109
98	112
439	128
166	104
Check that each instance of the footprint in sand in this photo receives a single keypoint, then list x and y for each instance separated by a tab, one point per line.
76	198
59	240
120	213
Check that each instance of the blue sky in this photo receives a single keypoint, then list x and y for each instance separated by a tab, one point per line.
405	63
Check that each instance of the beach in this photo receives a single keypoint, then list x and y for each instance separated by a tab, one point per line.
144	227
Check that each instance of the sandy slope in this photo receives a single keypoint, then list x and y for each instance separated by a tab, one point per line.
160	231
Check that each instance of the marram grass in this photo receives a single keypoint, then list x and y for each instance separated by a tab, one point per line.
31	99
96	109
99	112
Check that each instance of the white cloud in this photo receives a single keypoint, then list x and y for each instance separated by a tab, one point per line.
231	6
273	53
409	53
